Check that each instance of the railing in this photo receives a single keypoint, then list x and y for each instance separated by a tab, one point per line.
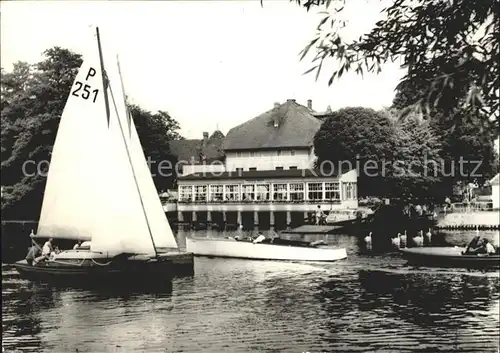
464	207
15	221
260	201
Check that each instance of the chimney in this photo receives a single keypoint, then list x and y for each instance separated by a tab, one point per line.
275	115
310	104
205	139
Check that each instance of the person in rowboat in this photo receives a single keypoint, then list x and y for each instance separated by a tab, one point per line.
482	247
490	249
260	238
473	246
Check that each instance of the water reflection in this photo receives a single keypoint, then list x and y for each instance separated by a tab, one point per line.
462	305
22	311
370	302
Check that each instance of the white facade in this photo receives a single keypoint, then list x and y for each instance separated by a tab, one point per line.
495	191
210	168
495	194
286	159
269	159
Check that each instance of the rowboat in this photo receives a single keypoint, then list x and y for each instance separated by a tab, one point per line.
99	189
275	249
449	257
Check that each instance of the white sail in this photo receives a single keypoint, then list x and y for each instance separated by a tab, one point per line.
91	192
160	228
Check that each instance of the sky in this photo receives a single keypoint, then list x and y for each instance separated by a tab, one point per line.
209	64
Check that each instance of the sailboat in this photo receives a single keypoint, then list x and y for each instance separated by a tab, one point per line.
100	191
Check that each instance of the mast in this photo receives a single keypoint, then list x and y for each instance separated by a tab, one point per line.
106	85
104	76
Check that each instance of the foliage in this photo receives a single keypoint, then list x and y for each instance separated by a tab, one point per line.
396	158
417	169
464	135
361	137
155	131
449	48
469	139
32	100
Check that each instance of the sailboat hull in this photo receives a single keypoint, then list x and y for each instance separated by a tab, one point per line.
121	268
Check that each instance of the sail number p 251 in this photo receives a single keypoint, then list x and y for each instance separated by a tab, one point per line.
84	90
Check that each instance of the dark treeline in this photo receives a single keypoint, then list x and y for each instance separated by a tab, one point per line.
410	158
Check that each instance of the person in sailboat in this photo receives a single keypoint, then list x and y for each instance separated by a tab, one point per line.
47	249
33	253
77	245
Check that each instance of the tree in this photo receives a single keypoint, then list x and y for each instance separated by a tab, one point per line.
362	137
395	158
465	136
468	148
33	99
155	131
417	170
449	48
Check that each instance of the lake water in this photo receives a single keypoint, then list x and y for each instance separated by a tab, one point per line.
368	303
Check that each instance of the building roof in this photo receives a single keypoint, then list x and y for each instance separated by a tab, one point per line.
495	180
286	125
260	174
185	150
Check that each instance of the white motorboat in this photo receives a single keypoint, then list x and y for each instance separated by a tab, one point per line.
347	216
275	249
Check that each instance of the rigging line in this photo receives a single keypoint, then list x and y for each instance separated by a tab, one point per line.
132	167
129	116
106	85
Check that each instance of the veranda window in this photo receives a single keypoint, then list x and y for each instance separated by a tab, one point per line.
200	193
349	190
262	192
332	191
185	193
232	192
216	192
297	191
315	191
280	191
247	192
